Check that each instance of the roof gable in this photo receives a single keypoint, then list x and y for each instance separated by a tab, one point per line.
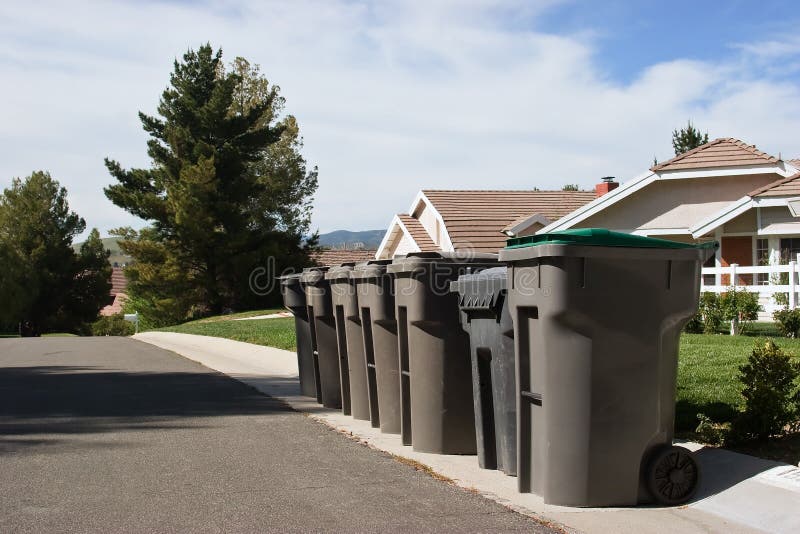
789	186
723	152
418	233
475	219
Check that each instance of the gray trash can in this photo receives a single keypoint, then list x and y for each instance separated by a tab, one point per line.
323	334
598	317
352	364
436	412
294	299
485	317
379	327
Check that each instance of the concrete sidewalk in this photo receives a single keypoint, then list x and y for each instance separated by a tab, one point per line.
738	493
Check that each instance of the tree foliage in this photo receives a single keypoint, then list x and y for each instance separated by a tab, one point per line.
687	139
45	283
227	190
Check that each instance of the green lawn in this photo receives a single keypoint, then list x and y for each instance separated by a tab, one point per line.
270	332
708	367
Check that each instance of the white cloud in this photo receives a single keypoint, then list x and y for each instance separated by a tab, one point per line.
391	97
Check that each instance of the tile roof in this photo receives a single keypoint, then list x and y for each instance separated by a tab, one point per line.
118	281
795	162
779	188
116	306
475	219
723	152
418	232
328	257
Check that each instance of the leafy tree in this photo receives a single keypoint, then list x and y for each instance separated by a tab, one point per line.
48	285
570	187
227	190
687	138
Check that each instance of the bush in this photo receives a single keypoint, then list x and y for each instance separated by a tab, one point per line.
739	306
708	319
695	324
113	325
711	432
770	393
788	321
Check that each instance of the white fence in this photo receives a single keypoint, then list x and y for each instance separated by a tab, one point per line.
765	280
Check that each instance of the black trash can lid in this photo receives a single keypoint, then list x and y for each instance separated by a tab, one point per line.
290	279
417	260
601	237
340	272
370	269
313	275
487	281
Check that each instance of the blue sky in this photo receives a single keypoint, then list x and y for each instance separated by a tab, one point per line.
396	96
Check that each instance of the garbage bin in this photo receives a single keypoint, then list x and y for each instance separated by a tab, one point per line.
436	412
323	334
598	317
484	316
294	299
379	326
352	365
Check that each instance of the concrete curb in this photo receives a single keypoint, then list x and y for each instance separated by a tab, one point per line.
739	493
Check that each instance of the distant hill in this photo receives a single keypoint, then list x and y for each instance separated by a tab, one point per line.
347	239
111	244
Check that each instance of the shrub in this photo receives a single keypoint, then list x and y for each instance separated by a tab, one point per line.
114	325
711	432
710	312
695	324
739	306
788	321
769	391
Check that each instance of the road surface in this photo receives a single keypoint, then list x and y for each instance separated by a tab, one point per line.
114	435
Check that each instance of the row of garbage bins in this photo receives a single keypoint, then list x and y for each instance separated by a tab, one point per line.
554	361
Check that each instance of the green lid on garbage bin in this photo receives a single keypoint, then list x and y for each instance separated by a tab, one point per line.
600	237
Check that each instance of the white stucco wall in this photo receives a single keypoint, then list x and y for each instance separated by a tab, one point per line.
667	204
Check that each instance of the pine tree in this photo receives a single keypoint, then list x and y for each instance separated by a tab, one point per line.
50	286
227	188
687	139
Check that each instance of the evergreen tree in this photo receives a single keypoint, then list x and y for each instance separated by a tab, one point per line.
227	190
687	138
48	285
570	187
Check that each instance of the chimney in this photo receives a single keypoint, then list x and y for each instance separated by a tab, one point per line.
608	184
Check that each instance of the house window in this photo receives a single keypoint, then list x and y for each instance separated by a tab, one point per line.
790	248
762	259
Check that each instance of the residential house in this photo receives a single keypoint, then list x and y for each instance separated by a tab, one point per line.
332	256
117	295
478	221
725	190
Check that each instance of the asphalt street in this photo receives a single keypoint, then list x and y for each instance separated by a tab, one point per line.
114	435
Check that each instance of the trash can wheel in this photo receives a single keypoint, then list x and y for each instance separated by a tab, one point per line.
672	475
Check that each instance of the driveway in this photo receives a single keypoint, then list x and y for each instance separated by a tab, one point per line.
111	435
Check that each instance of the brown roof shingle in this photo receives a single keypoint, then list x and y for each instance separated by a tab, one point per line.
723	152
779	188
475	219
418	232
329	257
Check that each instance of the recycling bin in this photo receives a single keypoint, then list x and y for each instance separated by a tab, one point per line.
294	299
598	317
352	364
323	334
483	301
436	411
379	328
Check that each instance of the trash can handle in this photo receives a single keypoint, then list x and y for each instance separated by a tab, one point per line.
535	398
